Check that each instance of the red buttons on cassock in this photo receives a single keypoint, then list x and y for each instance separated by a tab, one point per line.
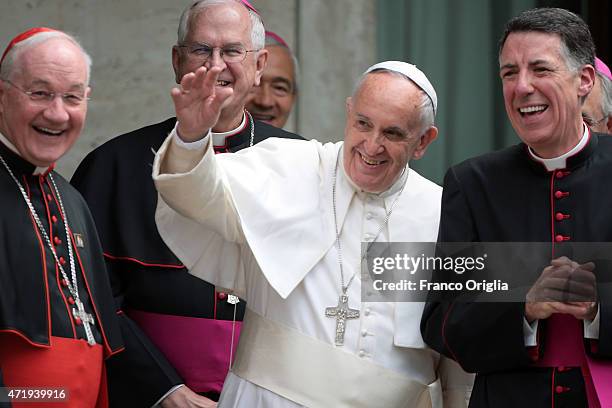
561	238
64	281
62	260
561	174
54	219
560	194
77	320
221	295
71	300
561	389
560	216
563	369
49	197
57	241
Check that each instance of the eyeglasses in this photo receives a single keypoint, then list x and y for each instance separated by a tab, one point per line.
43	97
231	54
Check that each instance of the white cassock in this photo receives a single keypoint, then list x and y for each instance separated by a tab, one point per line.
260	223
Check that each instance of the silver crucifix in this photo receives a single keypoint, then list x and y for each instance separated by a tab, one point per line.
87	319
341	312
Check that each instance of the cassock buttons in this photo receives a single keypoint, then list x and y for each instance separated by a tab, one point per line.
62	260
57	241
54	219
561	238
560	194
49	197
560	216
221	295
64	281
364	333
77	320
362	353
71	300
559	389
560	174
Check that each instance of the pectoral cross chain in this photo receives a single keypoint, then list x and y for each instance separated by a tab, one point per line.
341	312
86	319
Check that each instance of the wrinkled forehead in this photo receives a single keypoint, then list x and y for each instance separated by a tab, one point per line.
221	23
54	59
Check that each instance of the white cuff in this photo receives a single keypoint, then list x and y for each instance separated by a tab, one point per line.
530	333
591	327
159	401
198	144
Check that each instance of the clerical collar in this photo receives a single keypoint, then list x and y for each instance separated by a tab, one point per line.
34	169
220	139
395	187
561	161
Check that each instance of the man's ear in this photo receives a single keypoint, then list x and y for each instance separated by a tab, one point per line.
262	59
176	63
426	138
349	105
2	95
587	80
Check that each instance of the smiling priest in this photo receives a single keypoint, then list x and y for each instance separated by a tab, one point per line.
281	225
56	309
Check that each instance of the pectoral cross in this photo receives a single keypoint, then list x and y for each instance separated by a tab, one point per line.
86	319
341	312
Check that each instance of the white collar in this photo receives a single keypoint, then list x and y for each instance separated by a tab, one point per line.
219	138
11	147
560	162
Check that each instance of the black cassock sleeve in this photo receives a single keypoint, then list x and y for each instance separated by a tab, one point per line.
481	336
141	374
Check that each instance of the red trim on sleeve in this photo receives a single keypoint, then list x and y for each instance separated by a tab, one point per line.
444	333
25	338
129	259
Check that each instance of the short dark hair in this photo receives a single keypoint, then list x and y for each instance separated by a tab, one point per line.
575	36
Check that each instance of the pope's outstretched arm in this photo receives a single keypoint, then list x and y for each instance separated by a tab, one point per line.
195	213
198	103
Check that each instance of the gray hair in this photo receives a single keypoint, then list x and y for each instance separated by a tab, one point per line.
271	41
426	108
11	58
576	41
606	94
258	32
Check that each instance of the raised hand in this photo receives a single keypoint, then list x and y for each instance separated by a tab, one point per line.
198	102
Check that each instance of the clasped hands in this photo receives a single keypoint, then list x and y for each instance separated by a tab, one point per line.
198	102
564	286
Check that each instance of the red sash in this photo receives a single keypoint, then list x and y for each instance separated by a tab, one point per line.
69	364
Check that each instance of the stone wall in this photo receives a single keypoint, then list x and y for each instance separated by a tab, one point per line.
130	43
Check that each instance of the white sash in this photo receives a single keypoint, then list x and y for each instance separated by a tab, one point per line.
316	374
